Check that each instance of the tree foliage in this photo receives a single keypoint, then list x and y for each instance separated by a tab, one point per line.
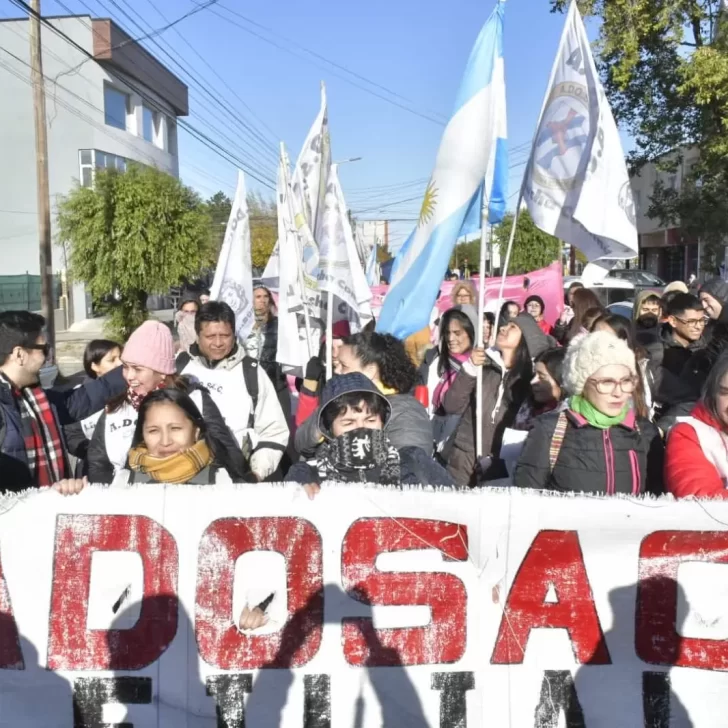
664	64
263	228
532	247
132	234
263	225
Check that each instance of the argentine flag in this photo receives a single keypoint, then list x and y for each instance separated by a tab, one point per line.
472	162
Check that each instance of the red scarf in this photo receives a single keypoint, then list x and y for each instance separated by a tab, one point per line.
135	400
42	436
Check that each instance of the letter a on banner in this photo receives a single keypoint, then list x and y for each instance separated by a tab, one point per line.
233	281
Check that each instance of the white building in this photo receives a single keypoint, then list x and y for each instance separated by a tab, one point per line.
121	106
666	251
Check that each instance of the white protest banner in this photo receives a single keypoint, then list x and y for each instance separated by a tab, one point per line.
576	185
233	282
340	272
396	608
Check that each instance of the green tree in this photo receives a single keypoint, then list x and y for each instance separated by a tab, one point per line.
532	247
469	251
132	234
218	208
665	71
263	229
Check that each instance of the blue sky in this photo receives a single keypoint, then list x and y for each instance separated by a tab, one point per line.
416	49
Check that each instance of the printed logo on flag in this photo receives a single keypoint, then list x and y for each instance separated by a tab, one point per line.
626	202
564	137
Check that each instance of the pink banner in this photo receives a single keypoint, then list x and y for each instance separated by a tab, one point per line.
548	283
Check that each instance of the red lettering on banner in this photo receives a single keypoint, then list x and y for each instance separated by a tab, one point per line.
444	639
11	656
656	631
71	646
553	559
220	643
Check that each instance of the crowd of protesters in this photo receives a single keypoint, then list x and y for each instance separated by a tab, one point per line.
586	401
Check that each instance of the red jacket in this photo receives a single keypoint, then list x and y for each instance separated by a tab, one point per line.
687	470
546	327
307	405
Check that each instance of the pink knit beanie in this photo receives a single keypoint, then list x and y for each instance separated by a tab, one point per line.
151	345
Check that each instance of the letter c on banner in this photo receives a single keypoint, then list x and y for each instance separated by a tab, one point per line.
444	639
73	647
220	643
656	630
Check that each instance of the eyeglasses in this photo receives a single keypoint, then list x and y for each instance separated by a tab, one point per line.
695	323
609	386
45	348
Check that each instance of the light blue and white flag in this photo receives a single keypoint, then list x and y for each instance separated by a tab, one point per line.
373	271
472	162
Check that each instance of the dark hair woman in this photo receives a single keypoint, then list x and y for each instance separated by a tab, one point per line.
384	360
507	372
696	457
546	387
100	357
457	338
171	443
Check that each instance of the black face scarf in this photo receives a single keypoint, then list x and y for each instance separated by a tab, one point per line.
647	321
359	456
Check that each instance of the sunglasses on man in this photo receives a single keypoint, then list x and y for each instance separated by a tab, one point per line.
45	348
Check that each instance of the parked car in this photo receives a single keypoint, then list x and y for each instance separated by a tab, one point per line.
623	308
639	278
608	290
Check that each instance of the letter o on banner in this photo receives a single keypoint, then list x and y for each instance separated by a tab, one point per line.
220	643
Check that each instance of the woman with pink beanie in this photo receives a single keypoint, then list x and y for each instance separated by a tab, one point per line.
149	364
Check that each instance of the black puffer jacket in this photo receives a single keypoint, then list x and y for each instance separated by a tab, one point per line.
626	458
225	448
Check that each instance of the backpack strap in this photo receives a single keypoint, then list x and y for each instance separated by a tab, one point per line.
250	373
182	360
557	440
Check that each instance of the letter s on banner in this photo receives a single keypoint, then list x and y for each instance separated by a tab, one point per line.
73	647
656	631
553	559
220	643
444	639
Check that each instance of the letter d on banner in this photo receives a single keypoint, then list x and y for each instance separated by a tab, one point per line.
71	645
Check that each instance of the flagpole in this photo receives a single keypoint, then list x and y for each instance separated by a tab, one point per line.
479	333
329	333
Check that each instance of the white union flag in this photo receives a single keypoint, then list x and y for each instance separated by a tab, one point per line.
577	187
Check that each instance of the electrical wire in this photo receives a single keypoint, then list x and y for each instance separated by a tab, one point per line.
191	129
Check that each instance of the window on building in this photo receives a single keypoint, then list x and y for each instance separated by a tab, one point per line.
86	169
148	124
116	107
93	159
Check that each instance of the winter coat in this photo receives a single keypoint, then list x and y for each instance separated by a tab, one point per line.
675	382
502	398
416	468
409	426
226	450
68	406
265	425
696	459
626	458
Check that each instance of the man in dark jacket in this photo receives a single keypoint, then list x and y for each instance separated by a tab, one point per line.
32	450
353	420
682	338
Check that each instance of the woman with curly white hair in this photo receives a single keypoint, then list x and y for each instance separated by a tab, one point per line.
597	444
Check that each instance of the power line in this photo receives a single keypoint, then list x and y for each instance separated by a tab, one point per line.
245	128
327	60
328	70
192	130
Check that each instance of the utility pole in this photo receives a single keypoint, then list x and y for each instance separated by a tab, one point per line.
41	164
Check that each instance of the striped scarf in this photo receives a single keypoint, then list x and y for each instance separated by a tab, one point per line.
43	445
178	468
